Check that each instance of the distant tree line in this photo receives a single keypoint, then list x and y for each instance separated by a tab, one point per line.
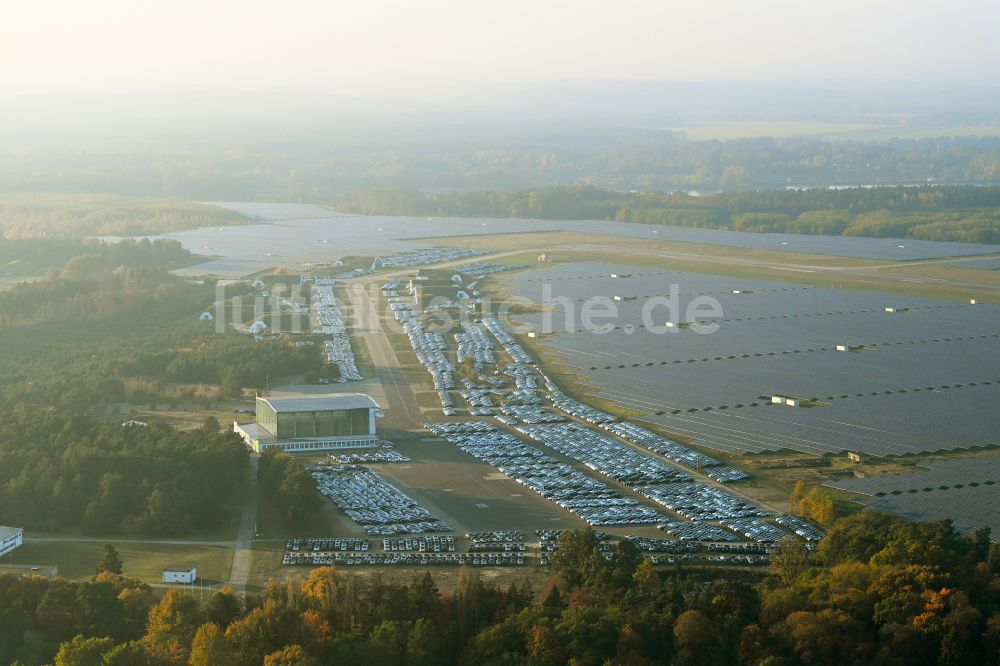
33	257
618	160
877	590
964	213
50	215
62	471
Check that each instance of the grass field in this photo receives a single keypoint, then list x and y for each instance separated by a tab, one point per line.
931	278
143	561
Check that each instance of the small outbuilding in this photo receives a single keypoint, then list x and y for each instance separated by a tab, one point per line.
180	575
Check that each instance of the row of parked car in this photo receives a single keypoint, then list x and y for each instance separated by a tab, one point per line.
365	456
530	414
404	559
330	322
604	454
378	506
483	268
582	411
700	502
658	444
476	345
335	545
743	548
430	348
653	545
496	536
477	397
556	535
507	341
463	427
424	544
523	375
801	527
435	255
695	531
755	529
726	474
497	547
587	497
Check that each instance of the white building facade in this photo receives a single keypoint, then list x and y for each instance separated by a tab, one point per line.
180	575
313	423
10	538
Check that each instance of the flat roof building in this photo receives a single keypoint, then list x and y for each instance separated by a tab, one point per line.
180	575
10	538
313	423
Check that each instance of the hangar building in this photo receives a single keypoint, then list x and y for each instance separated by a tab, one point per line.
313	423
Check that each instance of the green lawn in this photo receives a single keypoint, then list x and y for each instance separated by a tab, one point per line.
143	561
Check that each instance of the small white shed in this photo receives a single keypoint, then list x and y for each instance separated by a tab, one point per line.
180	575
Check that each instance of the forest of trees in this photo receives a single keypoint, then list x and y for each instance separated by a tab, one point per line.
437	159
81	349
62	471
878	590
288	492
99	332
49	215
33	257
967	214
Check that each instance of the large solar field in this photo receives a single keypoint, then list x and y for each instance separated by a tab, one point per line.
289	234
966	490
924	378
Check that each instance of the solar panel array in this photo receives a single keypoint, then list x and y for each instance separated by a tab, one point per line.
924	379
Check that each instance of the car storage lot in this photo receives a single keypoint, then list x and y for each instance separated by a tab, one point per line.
924	382
468	494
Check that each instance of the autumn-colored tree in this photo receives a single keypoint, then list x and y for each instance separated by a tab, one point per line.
818	505
208	646
695	638
263	630
789	559
630	650
172	625
818	638
544	646
290	655
136	599
81	651
795	498
129	654
645	576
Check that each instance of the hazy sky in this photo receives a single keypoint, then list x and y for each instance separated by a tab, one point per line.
374	47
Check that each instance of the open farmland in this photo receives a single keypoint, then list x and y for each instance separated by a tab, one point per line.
920	378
